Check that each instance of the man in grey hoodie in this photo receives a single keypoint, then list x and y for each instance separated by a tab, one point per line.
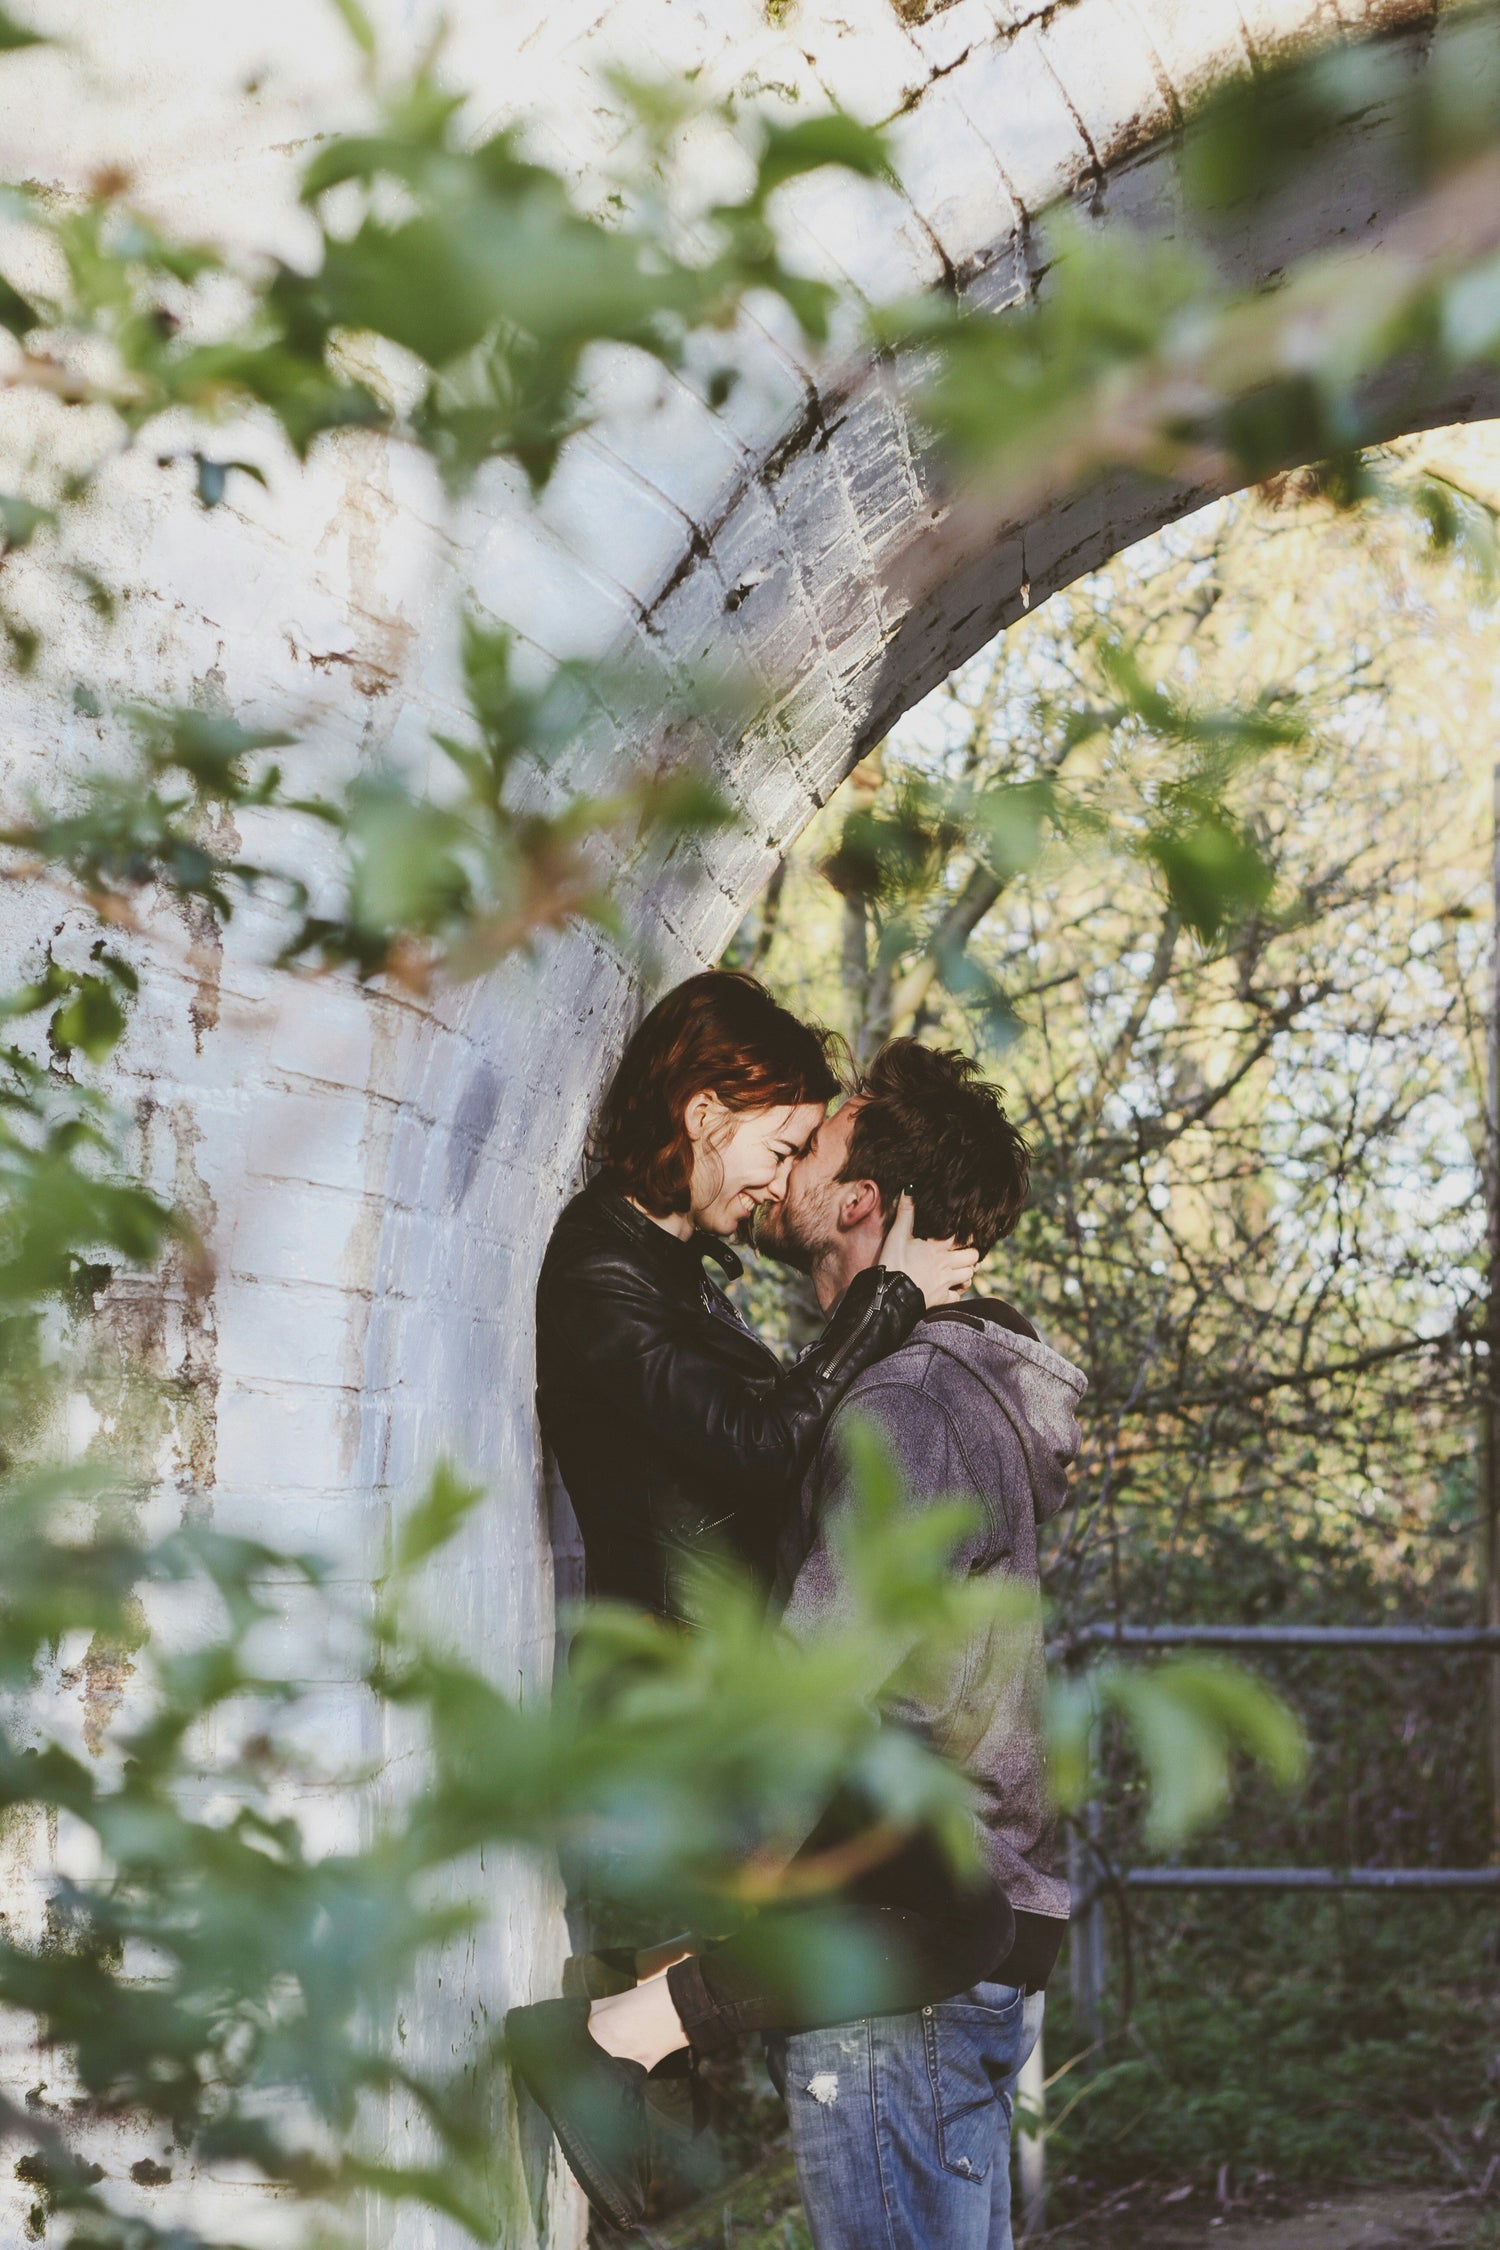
901	2123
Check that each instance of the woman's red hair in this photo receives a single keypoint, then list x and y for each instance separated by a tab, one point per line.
720	1033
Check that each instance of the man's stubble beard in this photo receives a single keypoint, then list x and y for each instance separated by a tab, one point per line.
775	1233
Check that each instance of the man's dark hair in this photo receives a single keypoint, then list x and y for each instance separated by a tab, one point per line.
927	1121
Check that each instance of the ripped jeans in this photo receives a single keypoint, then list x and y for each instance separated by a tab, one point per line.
901	2124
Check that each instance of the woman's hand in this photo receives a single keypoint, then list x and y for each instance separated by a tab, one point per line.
941	1270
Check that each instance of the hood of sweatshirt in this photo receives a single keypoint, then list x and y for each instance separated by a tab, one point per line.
1035	1388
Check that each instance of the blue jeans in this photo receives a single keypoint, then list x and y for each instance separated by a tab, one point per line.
901	2124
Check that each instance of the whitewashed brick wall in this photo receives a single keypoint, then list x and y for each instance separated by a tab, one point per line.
377	1178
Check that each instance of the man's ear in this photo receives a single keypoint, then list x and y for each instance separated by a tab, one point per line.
859	1201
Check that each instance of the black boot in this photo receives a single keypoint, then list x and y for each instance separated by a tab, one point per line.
594	2101
684	2161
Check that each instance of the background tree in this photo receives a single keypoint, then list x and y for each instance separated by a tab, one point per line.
1255	1100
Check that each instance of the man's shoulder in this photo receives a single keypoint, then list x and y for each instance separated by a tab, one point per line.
922	1363
931	1411
917	1392
910	1367
943	1371
979	1313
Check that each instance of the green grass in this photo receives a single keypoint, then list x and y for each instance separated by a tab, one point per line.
1314	2042
763	2212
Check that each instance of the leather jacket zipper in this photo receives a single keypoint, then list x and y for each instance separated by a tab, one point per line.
846	1349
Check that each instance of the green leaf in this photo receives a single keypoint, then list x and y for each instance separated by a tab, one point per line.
355	156
811	301
204	744
93	1021
812	142
214	475
436	1518
14	35
422	284
1011	822
17	313
873	1472
1457	524
1073	1706
410	859
1248	1715
1007	394
23	640
660	106
19	519
115	965
1471	311
358	26
983	997
98	595
1215	871
689	803
1186	1717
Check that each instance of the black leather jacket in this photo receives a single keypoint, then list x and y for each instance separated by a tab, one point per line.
673	1425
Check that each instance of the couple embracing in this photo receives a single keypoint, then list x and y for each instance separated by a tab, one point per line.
674	1428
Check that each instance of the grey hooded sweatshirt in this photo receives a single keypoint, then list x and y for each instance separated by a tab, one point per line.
973	1406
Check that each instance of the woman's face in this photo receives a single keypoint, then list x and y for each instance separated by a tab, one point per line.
742	1157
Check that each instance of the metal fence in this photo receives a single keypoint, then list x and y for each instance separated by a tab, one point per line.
1091	1879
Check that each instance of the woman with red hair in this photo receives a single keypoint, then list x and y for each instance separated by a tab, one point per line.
674	1427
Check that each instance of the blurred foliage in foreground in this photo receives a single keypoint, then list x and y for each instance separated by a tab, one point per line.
208	1962
208	1971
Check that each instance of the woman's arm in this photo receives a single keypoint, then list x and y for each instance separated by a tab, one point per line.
640	1351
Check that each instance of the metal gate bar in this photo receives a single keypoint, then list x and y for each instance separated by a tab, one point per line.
1428	1638
1086	1934
1311	1879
